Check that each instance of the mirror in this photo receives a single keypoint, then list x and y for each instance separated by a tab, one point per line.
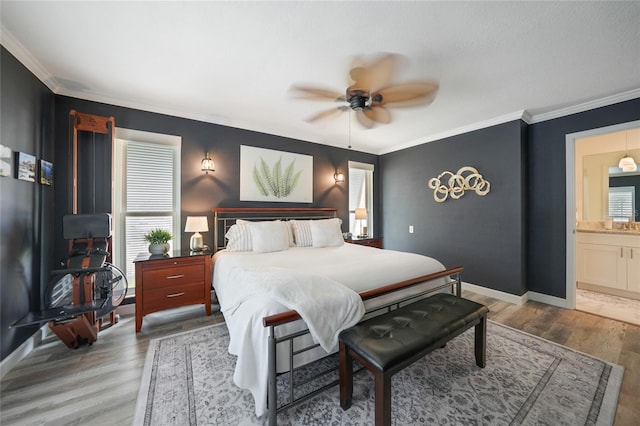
597	179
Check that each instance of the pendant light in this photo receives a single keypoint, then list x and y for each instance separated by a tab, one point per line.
626	163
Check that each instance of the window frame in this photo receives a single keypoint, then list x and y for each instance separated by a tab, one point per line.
122	138
367	203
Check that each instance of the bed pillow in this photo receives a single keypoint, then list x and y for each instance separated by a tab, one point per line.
326	233
302	233
270	236
289	228
239	237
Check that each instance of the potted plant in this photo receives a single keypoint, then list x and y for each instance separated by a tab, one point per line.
158	240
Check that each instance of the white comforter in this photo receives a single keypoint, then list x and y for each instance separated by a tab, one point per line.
356	267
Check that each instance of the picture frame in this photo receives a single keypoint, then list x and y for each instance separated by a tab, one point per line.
46	172
6	159
25	167
275	176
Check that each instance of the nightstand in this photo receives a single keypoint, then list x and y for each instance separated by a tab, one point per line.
371	242
180	278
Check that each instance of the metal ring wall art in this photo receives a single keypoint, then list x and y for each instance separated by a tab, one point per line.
466	179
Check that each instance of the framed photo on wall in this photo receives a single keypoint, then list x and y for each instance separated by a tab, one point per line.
46	172
269	175
25	166
5	160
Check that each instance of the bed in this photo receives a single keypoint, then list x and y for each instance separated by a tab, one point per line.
287	284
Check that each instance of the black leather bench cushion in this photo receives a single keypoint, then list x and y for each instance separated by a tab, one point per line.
390	338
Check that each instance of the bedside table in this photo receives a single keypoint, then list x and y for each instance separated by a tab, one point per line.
180	278
371	242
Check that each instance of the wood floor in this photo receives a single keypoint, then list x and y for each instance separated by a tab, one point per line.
99	384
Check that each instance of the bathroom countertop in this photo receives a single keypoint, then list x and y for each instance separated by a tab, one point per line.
611	231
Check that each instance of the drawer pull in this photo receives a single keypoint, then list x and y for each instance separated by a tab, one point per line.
173	277
621	251
175	294
632	252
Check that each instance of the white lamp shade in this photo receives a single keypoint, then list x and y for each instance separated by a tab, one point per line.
196	224
627	164
361	213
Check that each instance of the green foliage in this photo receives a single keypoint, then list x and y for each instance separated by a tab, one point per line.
158	236
273	180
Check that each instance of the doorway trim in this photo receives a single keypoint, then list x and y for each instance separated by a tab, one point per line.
570	146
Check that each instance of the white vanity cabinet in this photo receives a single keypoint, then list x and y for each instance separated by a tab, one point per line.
610	260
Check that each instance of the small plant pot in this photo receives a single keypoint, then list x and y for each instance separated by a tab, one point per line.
159	248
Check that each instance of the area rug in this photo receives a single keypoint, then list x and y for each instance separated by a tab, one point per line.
188	380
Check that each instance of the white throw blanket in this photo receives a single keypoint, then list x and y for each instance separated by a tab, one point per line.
326	306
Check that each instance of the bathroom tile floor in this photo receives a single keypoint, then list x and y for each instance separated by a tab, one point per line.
619	308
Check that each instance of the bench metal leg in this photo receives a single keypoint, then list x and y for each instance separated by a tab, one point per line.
346	377
383	398
481	342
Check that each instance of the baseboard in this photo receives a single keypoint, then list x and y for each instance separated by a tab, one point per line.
496	294
516	300
11	360
549	300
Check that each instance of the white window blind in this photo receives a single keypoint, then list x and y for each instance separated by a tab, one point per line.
148	177
360	196
621	203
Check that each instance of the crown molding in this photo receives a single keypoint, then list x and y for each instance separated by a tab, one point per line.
16	48
518	115
586	106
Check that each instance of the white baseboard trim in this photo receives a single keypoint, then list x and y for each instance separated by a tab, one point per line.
496	294
516	300
549	300
23	350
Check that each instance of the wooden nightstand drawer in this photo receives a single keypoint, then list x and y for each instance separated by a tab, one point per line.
169	277
178	279
170	297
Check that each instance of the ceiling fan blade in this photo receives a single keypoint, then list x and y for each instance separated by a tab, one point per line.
365	121
407	94
378	114
317	93
377	74
327	113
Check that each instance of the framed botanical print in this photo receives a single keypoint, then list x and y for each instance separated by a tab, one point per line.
269	175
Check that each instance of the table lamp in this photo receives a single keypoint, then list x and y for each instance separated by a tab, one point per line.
361	214
196	224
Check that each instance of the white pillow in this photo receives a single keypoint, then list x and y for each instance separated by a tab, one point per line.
267	237
289	230
326	232
302	233
239	237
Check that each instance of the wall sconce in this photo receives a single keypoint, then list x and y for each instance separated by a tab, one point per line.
338	176
207	164
196	224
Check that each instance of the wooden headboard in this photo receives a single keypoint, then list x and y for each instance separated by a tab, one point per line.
225	217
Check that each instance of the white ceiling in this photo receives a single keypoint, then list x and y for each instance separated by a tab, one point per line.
233	63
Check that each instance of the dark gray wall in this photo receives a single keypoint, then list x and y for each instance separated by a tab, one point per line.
486	234
546	226
201	192
26	208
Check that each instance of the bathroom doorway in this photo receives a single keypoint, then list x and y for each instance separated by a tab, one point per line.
587	209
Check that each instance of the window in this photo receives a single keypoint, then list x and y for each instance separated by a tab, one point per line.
360	196
147	193
621	203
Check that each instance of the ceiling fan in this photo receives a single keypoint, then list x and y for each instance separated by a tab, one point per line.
370	92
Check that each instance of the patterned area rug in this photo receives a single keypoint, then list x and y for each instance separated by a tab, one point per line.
527	380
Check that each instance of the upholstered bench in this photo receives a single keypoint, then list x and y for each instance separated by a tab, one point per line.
394	340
